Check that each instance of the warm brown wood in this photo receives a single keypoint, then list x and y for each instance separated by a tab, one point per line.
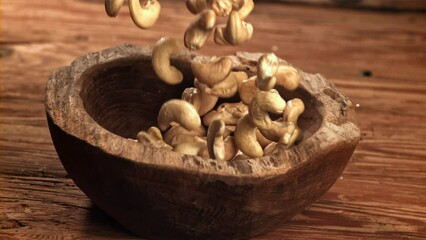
376	58
394	5
102	99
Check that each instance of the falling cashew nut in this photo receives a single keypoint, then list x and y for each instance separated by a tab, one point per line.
237	31
196	6
263	103
146	14
163	50
212	72
199	31
112	7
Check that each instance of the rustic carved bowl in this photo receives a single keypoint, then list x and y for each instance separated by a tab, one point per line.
95	105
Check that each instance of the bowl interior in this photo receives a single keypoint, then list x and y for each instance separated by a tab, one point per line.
124	96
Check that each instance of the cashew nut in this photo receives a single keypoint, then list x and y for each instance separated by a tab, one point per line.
267	67
222	7
245	10
195	147
247	90
163	50
245	138
180	112
207	101
240	156
230	148
191	95
112	7
278	131
199	31
293	110
237	31
146	14
153	137
229	113
212	72
229	86
196	6
178	134
287	77
263	141
263	103
215	143
218	38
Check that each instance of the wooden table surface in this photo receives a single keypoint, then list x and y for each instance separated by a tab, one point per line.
377	58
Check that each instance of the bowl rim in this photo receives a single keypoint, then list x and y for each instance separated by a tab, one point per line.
64	107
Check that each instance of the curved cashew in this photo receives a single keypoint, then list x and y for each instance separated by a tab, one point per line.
229	113
199	31
264	102
153	137
196	147
178	111
247	90
293	110
196	6
212	72
278	131
245	138
163	50
229	86
207	101
112	7
291	139
267	67
245	10
287	77
215	143
178	134
146	14
237	31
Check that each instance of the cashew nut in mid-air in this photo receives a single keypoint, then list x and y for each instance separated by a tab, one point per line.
246	8
112	7
292	112
196	6
161	54
229	86
263	103
245	138
287	77
237	31
222	7
212	72
153	137
180	112
267	67
199	31
146	14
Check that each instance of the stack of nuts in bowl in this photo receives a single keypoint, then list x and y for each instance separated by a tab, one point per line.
194	124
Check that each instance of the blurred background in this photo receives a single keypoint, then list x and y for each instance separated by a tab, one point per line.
373	50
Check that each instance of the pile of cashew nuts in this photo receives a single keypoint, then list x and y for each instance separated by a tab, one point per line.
239	130
194	125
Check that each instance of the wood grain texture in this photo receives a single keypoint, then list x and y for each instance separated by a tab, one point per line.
377	59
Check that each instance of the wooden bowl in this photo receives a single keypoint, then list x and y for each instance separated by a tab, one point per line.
94	105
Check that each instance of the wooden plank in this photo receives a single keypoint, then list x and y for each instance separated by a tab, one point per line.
382	191
389	5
